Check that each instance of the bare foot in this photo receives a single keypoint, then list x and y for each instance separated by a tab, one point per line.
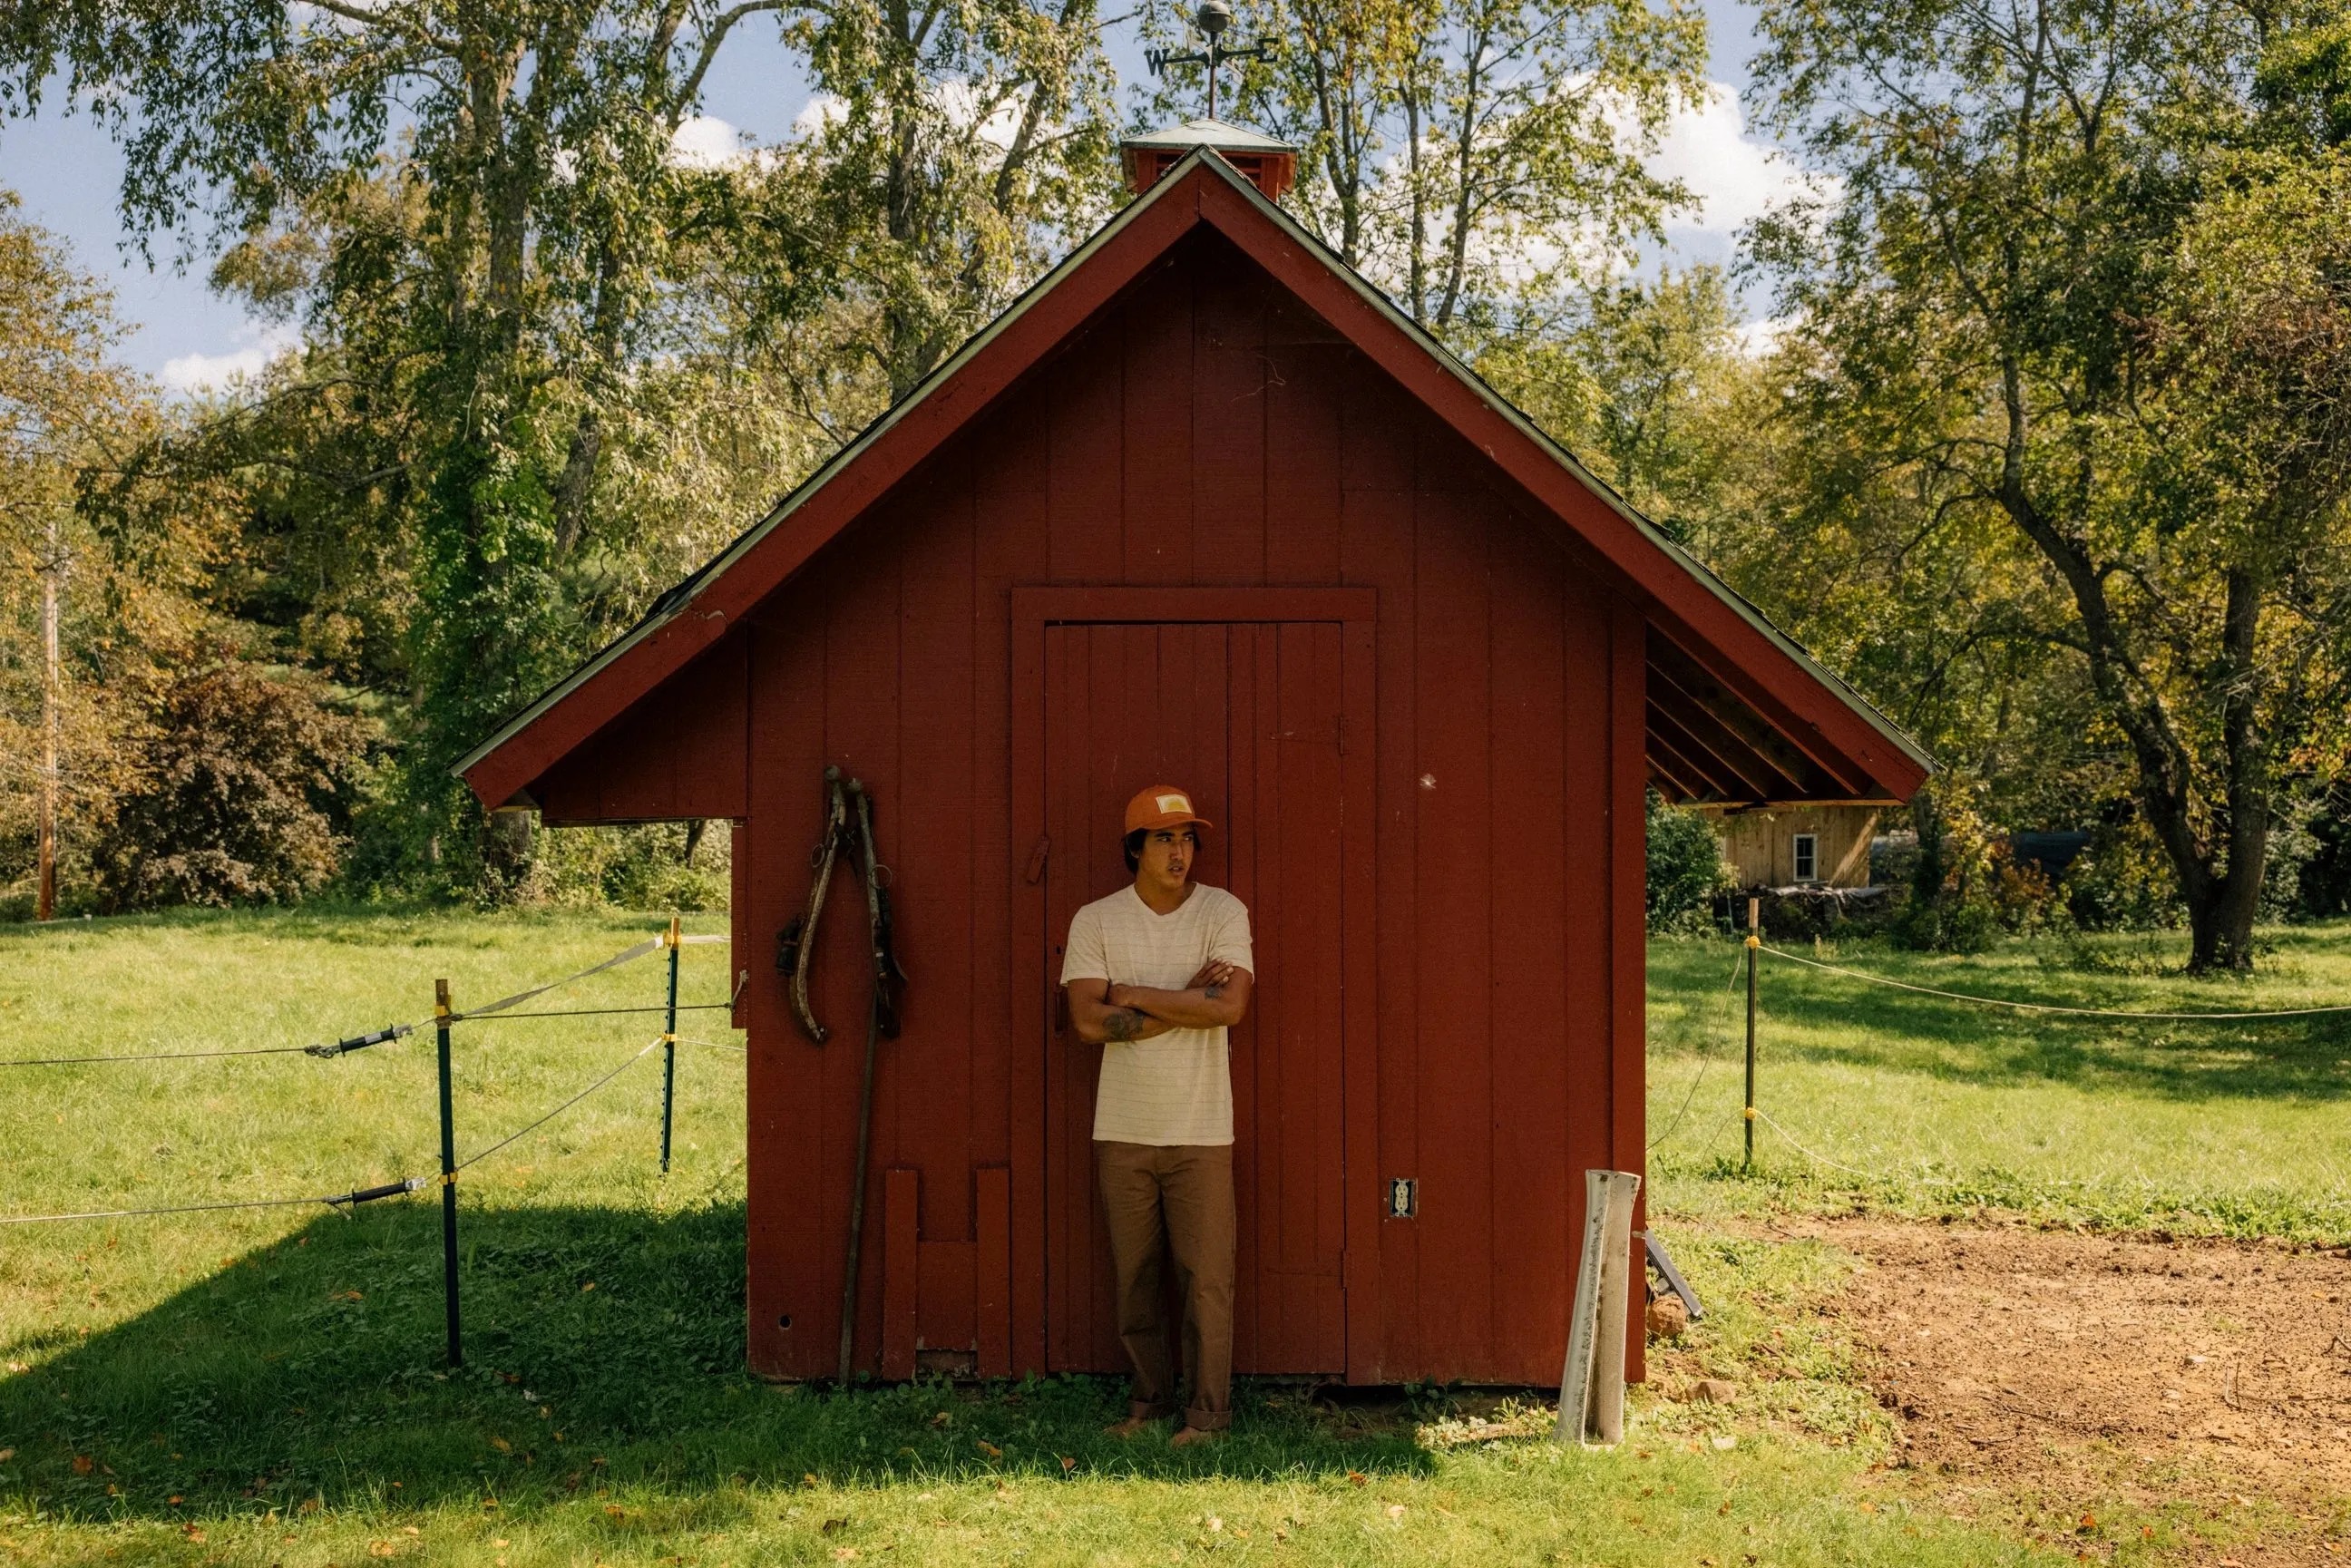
1134	1426
1189	1436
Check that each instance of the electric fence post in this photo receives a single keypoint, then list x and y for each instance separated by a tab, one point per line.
1754	947
669	1039
448	1173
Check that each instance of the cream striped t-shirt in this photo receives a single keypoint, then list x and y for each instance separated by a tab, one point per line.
1177	1087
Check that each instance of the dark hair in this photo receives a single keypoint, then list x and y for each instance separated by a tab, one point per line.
1132	844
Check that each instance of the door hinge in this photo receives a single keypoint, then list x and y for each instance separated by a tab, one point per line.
1037	859
1342	735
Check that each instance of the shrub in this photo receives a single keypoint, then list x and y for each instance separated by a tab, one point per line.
1686	871
2122	881
660	866
1966	887
244	790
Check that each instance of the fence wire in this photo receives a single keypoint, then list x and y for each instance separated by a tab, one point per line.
401	1030
2054	1006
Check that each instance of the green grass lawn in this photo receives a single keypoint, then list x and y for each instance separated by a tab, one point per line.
266	1387
2235	1128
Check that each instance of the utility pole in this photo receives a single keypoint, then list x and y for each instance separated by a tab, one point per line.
45	900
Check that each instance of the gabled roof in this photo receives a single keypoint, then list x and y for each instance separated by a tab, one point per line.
1738	711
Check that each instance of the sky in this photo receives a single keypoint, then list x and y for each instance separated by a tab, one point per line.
69	173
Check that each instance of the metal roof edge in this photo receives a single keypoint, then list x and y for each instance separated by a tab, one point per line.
1739	603
675	601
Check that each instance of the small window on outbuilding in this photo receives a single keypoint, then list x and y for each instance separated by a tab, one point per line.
1807	857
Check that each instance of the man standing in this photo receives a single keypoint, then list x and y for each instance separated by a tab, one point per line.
1155	973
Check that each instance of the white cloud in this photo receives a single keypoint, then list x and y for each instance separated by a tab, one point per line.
1736	177
1759	338
823	109
958	100
706	141
208	372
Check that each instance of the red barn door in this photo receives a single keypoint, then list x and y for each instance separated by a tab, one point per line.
1248	717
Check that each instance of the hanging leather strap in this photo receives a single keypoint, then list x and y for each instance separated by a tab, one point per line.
796	944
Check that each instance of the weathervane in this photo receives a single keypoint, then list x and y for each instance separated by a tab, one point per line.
1213	17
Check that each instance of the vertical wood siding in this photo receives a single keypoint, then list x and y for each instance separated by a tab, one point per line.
1204	429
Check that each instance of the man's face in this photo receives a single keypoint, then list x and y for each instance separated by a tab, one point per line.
1167	854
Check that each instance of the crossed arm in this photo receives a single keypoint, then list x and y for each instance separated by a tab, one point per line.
1218	996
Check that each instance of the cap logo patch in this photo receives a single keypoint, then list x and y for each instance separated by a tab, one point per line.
1174	803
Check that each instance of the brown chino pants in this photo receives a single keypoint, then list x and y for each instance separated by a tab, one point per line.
1177	1198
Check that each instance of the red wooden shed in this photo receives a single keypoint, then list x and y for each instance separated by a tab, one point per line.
1201	506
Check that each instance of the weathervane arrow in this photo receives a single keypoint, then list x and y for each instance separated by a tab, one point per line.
1212	18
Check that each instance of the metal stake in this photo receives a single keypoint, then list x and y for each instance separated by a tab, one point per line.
669	1042
448	1174
1754	945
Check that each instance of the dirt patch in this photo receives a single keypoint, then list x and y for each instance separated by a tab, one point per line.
2035	1359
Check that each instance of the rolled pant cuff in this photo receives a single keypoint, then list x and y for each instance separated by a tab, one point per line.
1208	1420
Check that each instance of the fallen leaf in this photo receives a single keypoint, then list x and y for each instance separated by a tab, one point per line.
809	1479
1395	1511
381	1549
844	1553
1355	1477
6	1455
942	1419
174	1500
502	1446
1215	1523
990	1449
1068	1464
193	1534
84	1464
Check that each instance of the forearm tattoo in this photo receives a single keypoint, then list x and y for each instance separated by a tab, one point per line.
1124	1024
1213	992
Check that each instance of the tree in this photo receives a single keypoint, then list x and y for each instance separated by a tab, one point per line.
478	213
79	623
2012	186
1461	153
957	143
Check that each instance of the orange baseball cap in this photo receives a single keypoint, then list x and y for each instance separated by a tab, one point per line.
1162	806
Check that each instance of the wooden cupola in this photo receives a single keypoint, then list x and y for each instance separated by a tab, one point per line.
1270	164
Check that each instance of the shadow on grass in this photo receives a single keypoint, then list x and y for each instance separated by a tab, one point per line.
604	1350
1810	1016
